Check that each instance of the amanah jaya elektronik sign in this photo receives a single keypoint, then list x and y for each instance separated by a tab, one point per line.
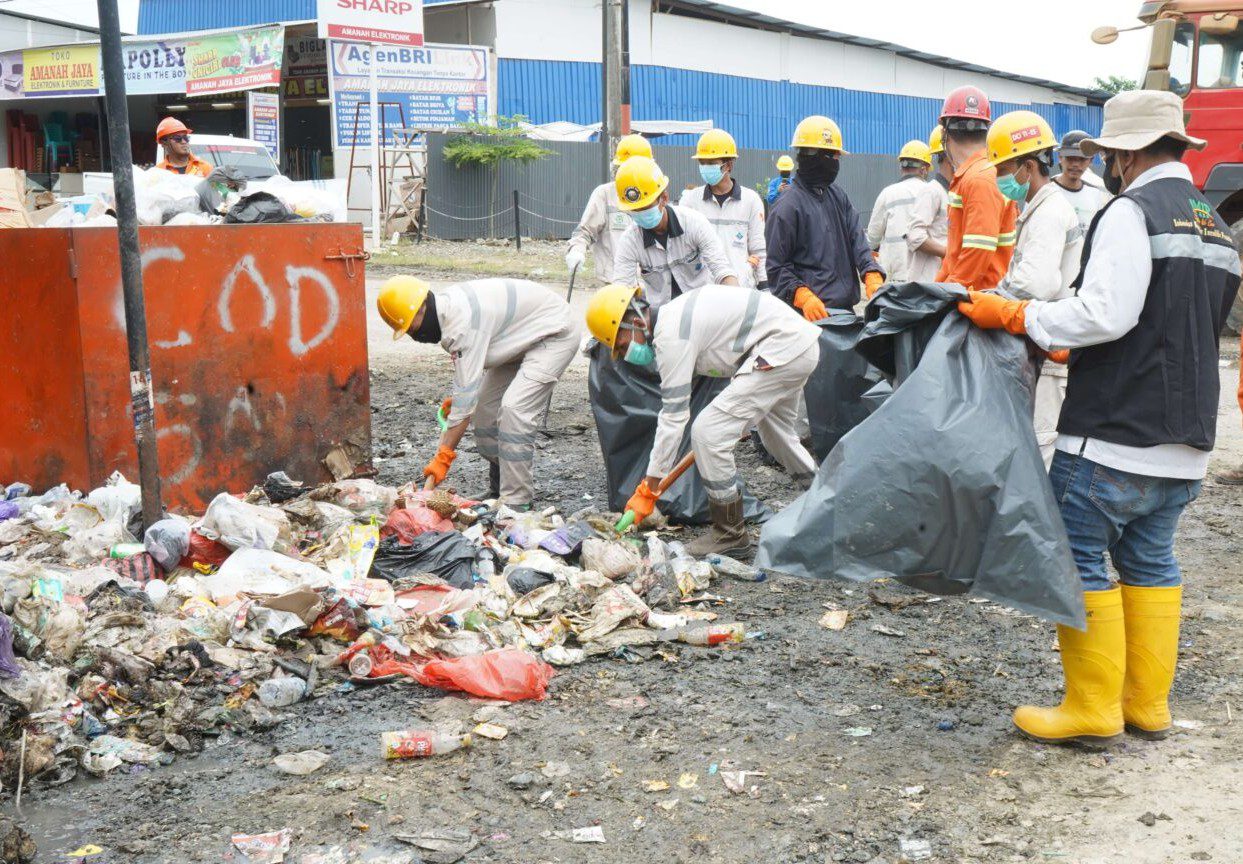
389	22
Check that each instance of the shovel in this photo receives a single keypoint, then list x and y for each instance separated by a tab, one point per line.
687	461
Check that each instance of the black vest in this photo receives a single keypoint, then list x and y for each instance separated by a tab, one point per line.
1158	384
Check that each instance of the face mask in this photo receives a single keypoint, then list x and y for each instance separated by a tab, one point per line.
429	331
639	353
648	218
1113	182
711	174
819	170
1012	188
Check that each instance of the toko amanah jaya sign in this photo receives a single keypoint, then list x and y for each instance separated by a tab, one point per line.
390	22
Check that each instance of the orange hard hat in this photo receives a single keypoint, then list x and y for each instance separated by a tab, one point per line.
170	126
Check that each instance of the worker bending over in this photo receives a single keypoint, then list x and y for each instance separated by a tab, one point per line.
721	331
929	228
173	136
780	183
1158	276
737	213
892	212
669	249
981	220
1076	181
817	251
603	222
1048	246
510	340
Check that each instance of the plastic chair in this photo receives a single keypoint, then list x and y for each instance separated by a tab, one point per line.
54	141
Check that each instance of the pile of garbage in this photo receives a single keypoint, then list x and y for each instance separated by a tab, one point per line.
119	651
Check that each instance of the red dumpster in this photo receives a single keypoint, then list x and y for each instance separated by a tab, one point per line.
258	355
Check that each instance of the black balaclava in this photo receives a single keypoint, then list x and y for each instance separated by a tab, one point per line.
817	168
429	330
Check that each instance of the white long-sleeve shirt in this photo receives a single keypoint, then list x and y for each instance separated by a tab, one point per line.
929	220
718	331
890	222
689	253
490	322
1106	307
739	225
601	227
1047	250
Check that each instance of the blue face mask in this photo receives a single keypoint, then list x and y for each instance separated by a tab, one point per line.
1012	188
648	218
639	353
711	174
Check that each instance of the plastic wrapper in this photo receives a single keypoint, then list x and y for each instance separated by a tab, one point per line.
262	571
205	552
568	539
914	492
57	624
167	541
280	487
362	497
9	510
524	580
141	568
446	554
409	522
8	660
239	525
612	559
625	401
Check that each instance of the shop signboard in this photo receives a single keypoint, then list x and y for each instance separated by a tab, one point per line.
237	60
263	116
432	87
66	70
391	22
305	73
154	67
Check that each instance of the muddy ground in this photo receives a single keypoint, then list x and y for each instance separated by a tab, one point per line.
940	769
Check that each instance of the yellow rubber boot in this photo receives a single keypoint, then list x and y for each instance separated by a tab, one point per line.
1152	617
1094	663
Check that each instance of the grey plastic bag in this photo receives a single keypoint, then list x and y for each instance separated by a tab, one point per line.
625	401
836	389
943	488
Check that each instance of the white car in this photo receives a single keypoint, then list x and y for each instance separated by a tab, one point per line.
249	157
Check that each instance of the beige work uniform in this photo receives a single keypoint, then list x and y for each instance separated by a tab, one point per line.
511	340
1045	263
600	227
889	224
739	225
688	255
726	331
929	220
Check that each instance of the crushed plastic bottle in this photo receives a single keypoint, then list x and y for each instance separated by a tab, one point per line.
735	569
281	692
708	634
420	743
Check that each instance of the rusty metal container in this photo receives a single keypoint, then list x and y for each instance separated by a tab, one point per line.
258	355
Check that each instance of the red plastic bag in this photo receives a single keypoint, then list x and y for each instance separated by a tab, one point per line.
205	551
507	674
412	521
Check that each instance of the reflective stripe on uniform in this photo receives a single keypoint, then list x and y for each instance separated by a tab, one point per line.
511	306
475	314
982	241
684	326
1193	246
720	485
748	321
955	200
1006	239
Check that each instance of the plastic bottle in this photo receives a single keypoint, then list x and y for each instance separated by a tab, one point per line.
420	743
361	665
281	692
485	565
735	569
713	634
125	550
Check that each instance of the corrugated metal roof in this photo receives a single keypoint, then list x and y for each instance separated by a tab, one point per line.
175	16
758	113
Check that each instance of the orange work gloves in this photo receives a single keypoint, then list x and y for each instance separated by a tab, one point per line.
872	281
809	304
1062	356
438	468
994	312
642	502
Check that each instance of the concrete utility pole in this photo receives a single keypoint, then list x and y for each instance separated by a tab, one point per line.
141	401
616	76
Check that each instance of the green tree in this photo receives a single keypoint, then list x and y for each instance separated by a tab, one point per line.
488	145
1116	84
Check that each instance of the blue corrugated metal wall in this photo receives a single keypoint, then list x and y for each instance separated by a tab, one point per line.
175	16
759	114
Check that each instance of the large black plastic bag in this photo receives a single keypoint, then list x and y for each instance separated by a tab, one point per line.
625	401
835	391
447	554
943	487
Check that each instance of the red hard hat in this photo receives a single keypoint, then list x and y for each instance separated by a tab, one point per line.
966	103
170	126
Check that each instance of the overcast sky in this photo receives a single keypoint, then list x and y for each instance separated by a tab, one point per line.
1048	39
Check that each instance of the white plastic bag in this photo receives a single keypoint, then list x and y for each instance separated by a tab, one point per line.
239	525
261	571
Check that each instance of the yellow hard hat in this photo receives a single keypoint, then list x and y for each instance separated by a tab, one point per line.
818	132
639	182
401	298
631	145
785	163
716	144
936	141
1017	134
917	151
606	309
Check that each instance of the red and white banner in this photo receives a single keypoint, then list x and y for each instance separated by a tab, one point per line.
389	22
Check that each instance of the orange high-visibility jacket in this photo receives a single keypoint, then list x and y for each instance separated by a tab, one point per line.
196	167
981	227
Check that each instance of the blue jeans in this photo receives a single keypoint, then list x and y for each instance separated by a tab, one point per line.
1132	516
